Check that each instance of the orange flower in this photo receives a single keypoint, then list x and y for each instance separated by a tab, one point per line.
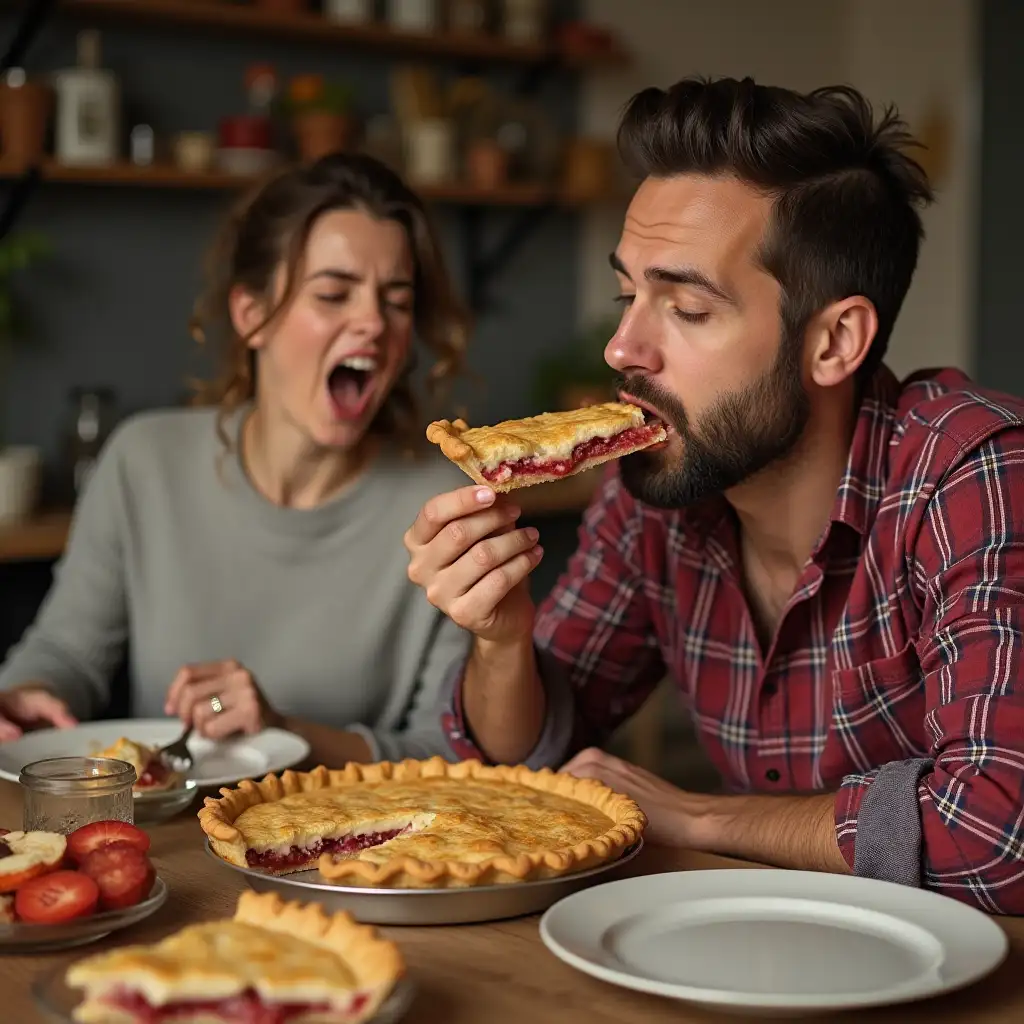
306	88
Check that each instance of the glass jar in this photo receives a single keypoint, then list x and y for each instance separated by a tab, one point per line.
64	793
93	416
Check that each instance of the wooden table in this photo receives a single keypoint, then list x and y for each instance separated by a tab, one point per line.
472	974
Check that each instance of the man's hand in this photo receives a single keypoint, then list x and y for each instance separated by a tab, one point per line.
243	707
787	831
30	707
473	564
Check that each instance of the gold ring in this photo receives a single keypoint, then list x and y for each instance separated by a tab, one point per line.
216	705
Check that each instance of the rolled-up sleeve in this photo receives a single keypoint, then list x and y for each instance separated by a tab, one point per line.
954	821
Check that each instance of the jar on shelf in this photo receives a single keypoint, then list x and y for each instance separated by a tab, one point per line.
467	17
524	20
413	15
93	415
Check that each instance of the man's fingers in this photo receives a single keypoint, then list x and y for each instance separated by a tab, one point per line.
475	610
437	513
484	557
456	539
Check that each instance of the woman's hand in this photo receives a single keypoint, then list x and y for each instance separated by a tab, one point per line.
198	691
29	707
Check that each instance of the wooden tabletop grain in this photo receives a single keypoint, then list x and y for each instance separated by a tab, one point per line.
497	973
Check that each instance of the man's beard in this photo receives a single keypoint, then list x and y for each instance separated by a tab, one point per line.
741	433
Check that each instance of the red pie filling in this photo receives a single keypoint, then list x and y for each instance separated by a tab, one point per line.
594	448
246	1008
156	774
297	857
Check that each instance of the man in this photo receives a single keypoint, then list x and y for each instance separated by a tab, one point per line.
830	564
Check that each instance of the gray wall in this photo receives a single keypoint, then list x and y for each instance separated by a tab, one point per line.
1000	310
112	307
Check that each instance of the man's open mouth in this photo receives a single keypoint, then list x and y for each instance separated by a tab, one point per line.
350	385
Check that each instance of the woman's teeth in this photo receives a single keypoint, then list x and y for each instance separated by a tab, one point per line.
365	364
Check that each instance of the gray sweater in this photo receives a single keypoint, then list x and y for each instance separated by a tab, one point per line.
176	555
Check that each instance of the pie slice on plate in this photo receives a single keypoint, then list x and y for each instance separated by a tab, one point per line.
422	824
272	963
551	446
151	773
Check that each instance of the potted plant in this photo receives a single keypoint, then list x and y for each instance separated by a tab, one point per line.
321	115
577	375
20	465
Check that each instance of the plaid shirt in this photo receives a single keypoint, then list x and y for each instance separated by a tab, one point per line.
901	645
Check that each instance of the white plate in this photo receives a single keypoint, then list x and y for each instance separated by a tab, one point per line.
773	943
217	763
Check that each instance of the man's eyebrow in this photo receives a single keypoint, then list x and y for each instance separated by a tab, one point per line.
677	275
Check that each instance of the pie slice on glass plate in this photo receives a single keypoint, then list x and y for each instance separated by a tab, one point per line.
422	824
151	772
551	446
273	962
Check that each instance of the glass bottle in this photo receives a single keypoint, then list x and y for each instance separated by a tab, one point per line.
93	416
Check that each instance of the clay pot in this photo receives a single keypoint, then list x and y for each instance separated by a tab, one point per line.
24	117
486	165
319	132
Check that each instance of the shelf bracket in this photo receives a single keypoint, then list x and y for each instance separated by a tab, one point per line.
28	28
482	267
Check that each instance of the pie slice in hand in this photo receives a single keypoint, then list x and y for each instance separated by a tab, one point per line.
551	446
272	963
151	773
422	824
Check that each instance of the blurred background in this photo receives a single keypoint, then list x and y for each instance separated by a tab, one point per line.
128	126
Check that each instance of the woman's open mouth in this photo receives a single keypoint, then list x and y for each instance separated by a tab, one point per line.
350	386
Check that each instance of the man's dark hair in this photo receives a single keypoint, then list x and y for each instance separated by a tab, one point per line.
846	193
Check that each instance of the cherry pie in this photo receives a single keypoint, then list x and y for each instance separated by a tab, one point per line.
551	446
151	773
272	963
422	824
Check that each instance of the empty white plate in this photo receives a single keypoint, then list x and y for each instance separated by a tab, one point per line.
771	942
217	763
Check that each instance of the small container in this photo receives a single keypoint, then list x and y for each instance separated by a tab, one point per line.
64	793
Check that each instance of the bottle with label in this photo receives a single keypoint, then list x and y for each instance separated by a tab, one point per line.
88	109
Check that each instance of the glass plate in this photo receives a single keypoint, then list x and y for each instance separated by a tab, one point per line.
34	938
58	1002
150	808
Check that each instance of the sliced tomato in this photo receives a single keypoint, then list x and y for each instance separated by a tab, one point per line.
123	873
97	834
61	896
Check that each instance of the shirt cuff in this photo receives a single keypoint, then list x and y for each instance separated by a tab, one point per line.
878	822
551	749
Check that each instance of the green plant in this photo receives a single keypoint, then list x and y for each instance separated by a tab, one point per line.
580	363
17	253
309	93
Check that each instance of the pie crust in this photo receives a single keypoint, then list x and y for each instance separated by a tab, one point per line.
285	955
151	773
422	824
551	446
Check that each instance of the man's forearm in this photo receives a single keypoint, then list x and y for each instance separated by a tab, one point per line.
786	831
503	699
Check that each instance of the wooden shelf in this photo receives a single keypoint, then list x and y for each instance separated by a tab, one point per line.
167	176
42	537
235	18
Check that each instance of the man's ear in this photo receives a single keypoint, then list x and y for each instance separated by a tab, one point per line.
247	315
840	339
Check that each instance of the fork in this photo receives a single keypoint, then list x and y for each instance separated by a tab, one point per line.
177	753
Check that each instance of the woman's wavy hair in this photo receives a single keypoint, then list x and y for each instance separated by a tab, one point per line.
270	226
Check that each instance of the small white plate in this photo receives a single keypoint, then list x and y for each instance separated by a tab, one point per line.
217	763
771	942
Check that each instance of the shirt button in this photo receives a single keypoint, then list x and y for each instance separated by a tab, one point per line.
770	688
772	775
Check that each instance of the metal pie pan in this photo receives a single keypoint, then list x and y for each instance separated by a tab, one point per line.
430	906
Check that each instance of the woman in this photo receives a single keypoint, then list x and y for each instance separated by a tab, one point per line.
248	557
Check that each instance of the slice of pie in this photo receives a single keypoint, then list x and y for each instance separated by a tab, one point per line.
151	772
272	963
422	824
551	446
